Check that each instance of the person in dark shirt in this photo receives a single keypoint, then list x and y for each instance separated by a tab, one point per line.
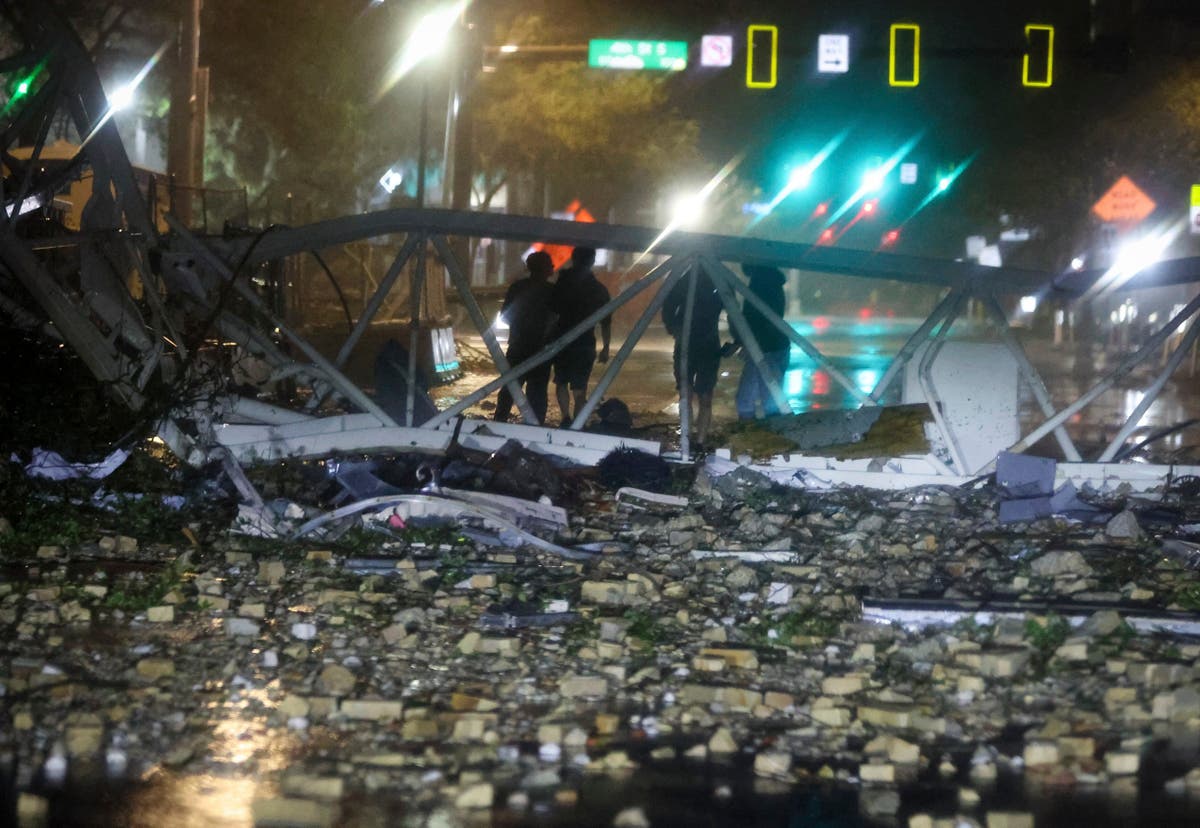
577	295
704	343
767	284
526	310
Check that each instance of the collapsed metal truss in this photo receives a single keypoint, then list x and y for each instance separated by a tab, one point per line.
136	340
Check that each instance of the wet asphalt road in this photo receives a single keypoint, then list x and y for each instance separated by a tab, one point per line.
862	350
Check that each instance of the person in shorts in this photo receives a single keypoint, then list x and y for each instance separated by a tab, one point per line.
526	308
577	295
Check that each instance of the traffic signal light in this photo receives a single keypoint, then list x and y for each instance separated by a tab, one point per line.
762	56
872	180
800	177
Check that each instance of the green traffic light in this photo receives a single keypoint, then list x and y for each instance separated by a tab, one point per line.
20	89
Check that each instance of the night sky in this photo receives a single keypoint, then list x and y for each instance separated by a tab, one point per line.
970	103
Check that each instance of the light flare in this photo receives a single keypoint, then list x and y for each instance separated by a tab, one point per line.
124	94
427	39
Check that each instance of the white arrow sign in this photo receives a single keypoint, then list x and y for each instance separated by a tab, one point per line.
833	53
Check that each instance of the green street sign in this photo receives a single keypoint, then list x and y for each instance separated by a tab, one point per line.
666	55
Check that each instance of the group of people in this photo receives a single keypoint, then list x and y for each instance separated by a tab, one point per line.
539	311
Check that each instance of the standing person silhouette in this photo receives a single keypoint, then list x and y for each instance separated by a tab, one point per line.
526	309
577	295
704	344
767	284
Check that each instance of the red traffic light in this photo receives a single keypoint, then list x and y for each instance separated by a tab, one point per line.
891	237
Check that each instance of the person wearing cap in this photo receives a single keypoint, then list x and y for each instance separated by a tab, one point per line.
526	311
577	295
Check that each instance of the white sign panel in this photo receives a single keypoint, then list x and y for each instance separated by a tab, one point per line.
716	50
908	173
833	53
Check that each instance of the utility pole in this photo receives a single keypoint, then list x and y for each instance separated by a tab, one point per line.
185	144
457	149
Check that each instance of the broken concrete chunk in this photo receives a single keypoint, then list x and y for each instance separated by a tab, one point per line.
235	627
335	680
633	817
722	742
586	686
614	593
887	715
160	615
773	763
1003	663
32	811
271	572
1040	753
881	773
1009	819
1122	763
1100	624
1123	526
479	795
155	668
738	657
291	812
1060	563
842	685
380	710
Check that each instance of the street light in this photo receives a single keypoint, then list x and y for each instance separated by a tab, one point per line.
872	181
428	38
800	177
121	98
687	209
